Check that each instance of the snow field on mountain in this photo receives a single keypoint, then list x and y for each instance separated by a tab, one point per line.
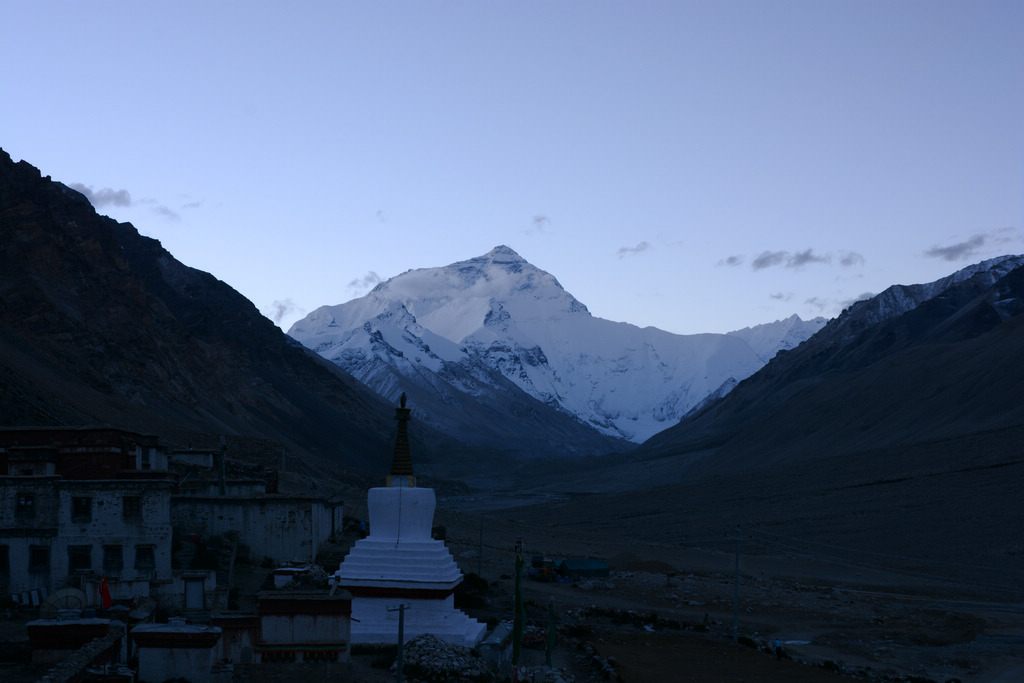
498	312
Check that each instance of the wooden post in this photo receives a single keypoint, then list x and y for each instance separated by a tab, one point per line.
401	637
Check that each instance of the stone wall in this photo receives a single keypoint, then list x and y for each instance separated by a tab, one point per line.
87	515
108	524
281	528
105	650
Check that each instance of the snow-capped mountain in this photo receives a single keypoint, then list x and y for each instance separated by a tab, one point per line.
470	326
782	335
914	364
899	299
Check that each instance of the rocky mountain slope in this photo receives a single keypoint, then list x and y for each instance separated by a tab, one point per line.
889	444
99	324
495	332
912	364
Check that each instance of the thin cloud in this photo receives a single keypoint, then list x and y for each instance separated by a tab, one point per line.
159	209
167	212
977	244
1006	236
360	284
731	261
781	296
818	303
850	258
282	308
802	258
768	259
104	197
796	260
633	251
960	251
538	224
110	197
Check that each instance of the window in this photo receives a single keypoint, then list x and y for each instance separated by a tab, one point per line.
39	560
132	507
145	559
113	560
26	510
81	509
79	557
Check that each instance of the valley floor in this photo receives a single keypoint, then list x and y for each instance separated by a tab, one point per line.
833	616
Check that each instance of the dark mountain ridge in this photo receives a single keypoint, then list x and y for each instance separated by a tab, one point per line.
946	367
101	325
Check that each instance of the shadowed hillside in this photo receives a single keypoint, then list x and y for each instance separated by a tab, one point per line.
99	324
946	368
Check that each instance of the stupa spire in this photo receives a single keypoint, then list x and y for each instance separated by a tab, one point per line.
401	473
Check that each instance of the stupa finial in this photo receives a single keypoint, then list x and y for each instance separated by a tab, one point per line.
401	473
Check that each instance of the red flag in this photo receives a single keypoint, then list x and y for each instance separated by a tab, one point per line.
105	593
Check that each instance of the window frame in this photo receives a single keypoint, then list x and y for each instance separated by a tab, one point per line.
142	552
81	509
113	560
131	508
39	560
76	553
25	508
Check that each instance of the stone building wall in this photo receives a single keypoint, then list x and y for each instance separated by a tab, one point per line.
87	523
281	528
104	516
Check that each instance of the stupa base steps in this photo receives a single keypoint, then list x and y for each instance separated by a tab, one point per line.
375	621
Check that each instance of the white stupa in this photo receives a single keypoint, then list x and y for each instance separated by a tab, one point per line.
399	563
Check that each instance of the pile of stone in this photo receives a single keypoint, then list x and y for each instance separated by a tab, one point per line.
74	666
429	659
544	674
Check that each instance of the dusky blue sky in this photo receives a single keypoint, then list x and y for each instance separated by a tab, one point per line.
696	166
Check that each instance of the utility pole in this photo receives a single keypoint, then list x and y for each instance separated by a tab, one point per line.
401	636
736	595
480	550
552	633
519	611
221	468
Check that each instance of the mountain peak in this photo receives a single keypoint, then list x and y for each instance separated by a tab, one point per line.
503	253
501	257
493	323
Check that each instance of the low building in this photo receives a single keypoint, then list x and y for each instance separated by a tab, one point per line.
80	504
304	626
176	650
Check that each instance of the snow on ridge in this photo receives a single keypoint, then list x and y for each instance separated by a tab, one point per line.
769	338
899	299
498	312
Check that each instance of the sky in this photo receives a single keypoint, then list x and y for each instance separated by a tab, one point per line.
694	166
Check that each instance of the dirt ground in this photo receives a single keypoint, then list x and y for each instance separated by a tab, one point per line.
667	612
